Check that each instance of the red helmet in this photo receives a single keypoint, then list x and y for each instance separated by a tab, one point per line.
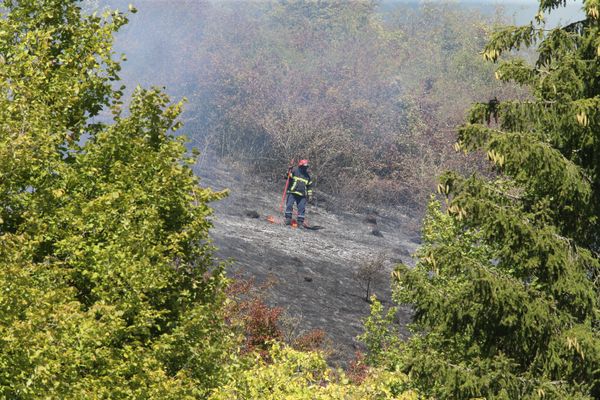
303	163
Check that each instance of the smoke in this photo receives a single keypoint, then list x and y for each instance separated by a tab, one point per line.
369	91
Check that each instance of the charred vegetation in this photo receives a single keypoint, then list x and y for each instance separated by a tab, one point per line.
370	94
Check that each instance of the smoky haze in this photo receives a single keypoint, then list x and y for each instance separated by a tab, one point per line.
371	93
162	43
163	40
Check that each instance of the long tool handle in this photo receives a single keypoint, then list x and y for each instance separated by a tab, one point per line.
287	182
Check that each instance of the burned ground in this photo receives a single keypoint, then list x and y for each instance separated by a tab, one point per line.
312	271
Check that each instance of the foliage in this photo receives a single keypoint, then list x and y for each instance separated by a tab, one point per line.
265	367
108	286
313	340
358	370
304	375
505	292
260	323
247	313
380	337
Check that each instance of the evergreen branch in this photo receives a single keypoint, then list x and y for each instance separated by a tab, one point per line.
510	38
506	194
516	70
544	234
577	26
548	5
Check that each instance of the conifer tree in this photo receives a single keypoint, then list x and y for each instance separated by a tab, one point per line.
506	289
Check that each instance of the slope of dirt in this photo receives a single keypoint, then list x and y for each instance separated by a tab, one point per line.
311	270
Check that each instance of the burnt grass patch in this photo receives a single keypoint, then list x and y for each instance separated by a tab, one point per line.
312	271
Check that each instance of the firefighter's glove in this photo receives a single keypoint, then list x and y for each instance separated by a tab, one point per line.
311	199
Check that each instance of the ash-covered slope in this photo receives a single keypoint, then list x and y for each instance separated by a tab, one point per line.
312	270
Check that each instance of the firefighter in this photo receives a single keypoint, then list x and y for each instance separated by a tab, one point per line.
299	191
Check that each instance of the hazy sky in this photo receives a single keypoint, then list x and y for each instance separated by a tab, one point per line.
570	3
499	2
522	11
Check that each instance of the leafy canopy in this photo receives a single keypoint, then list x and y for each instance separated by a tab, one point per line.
108	287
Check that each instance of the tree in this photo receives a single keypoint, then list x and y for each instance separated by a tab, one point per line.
370	274
506	290
108	286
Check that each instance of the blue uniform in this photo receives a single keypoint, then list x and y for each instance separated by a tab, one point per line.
299	188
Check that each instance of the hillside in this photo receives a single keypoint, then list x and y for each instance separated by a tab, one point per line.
311	270
125	276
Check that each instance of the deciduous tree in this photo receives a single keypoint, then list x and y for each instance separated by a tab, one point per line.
108	289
